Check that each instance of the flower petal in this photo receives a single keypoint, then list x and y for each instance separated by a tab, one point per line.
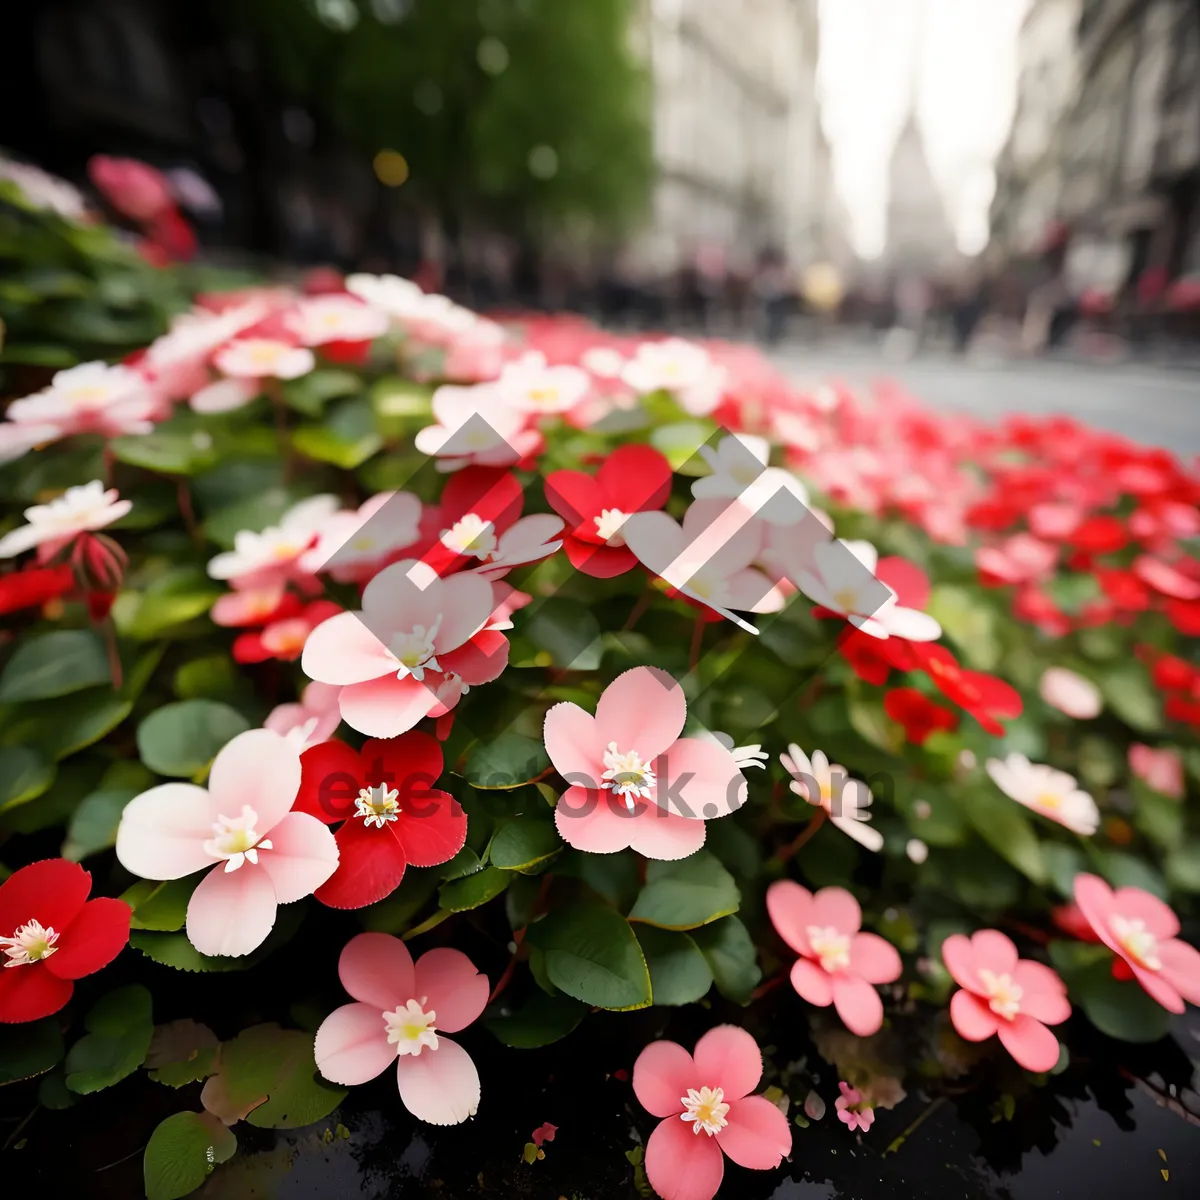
386	707
812	983
452	986
331	776
699	779
343	650
377	969
92	940
52	891
593	821
231	912
371	864
163	831
874	958
642	709
1181	968
573	744
972	1017
757	1135
858	1004
439	1086
352	1045
662	835
259	769
662	1076
836	908
682	1165
303	856
30	993
728	1057
1044	995
1033	1046
790	908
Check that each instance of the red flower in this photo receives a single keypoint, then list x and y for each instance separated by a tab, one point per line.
390	812
984	696
1070	919
53	934
478	502
917	713
1123	588
1100	535
1185	616
632	479
283	639
873	659
33	586
1172	674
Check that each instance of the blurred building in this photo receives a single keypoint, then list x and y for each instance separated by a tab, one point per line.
920	237
743	163
1107	142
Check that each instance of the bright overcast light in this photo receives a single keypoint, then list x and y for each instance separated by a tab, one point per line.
960	59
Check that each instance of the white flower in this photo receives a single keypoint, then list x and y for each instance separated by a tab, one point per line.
673	365
739	466
261	358
43	190
195	335
475	427
277	546
840	577
603	362
399	298
351	541
1054	794
530	386
77	510
93	397
317	320
1070	693
846	800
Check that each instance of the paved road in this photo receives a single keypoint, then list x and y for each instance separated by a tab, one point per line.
1154	405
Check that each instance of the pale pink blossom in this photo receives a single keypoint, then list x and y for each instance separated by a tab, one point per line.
739	471
399	298
224	395
261	854
310	722
1166	578
1021	558
51	526
1070	693
1054	794
1142	931
177	363
1161	770
415	648
682	368
830	787
263	358
852	1108
708	558
318	320
401	1014
1055	522
1005	996
531	386
260	560
475	428
353	545
632	780
838	964
708	1113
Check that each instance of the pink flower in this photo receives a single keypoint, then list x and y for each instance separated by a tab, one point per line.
838	964
852	1110
310	722
135	189
633	781
260	561
1021	559
402	1012
530	386
708	1113
262	853
263	358
1166	578
51	526
1161	770
417	645
1013	998
475	427
320	320
1141	929
1070	693
352	546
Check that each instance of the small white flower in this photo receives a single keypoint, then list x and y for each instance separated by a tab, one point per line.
531	386
1070	693
317	320
77	510
739	466
1054	794
846	800
277	546
264	358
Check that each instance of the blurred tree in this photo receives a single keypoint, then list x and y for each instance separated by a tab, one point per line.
525	112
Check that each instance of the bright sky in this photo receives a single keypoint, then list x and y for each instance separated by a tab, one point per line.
961	57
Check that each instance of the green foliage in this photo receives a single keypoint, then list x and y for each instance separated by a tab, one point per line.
30	1049
182	1152
54	664
182	739
683	895
119	1030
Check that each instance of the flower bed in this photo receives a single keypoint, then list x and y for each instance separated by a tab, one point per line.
484	676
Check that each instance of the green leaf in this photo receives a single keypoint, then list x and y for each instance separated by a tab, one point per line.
540	1021
53	1092
24	775
181	739
1063	863
459	895
524	842
54	664
180	595
393	397
1002	823
872	724
265	506
680	443
310	393
1183	867
214	677
119	1030
181	1052
30	1049
94	823
731	956
1126	870
61	727
182	1152
568	631
970	624
1118	1008
614	877
679	973
1127	691
171	452
1159	817
347	438
160	906
511	761
591	953
685	894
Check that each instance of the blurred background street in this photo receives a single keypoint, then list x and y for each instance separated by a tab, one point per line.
995	201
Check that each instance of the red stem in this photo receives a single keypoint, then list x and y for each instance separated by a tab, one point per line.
815	823
519	937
